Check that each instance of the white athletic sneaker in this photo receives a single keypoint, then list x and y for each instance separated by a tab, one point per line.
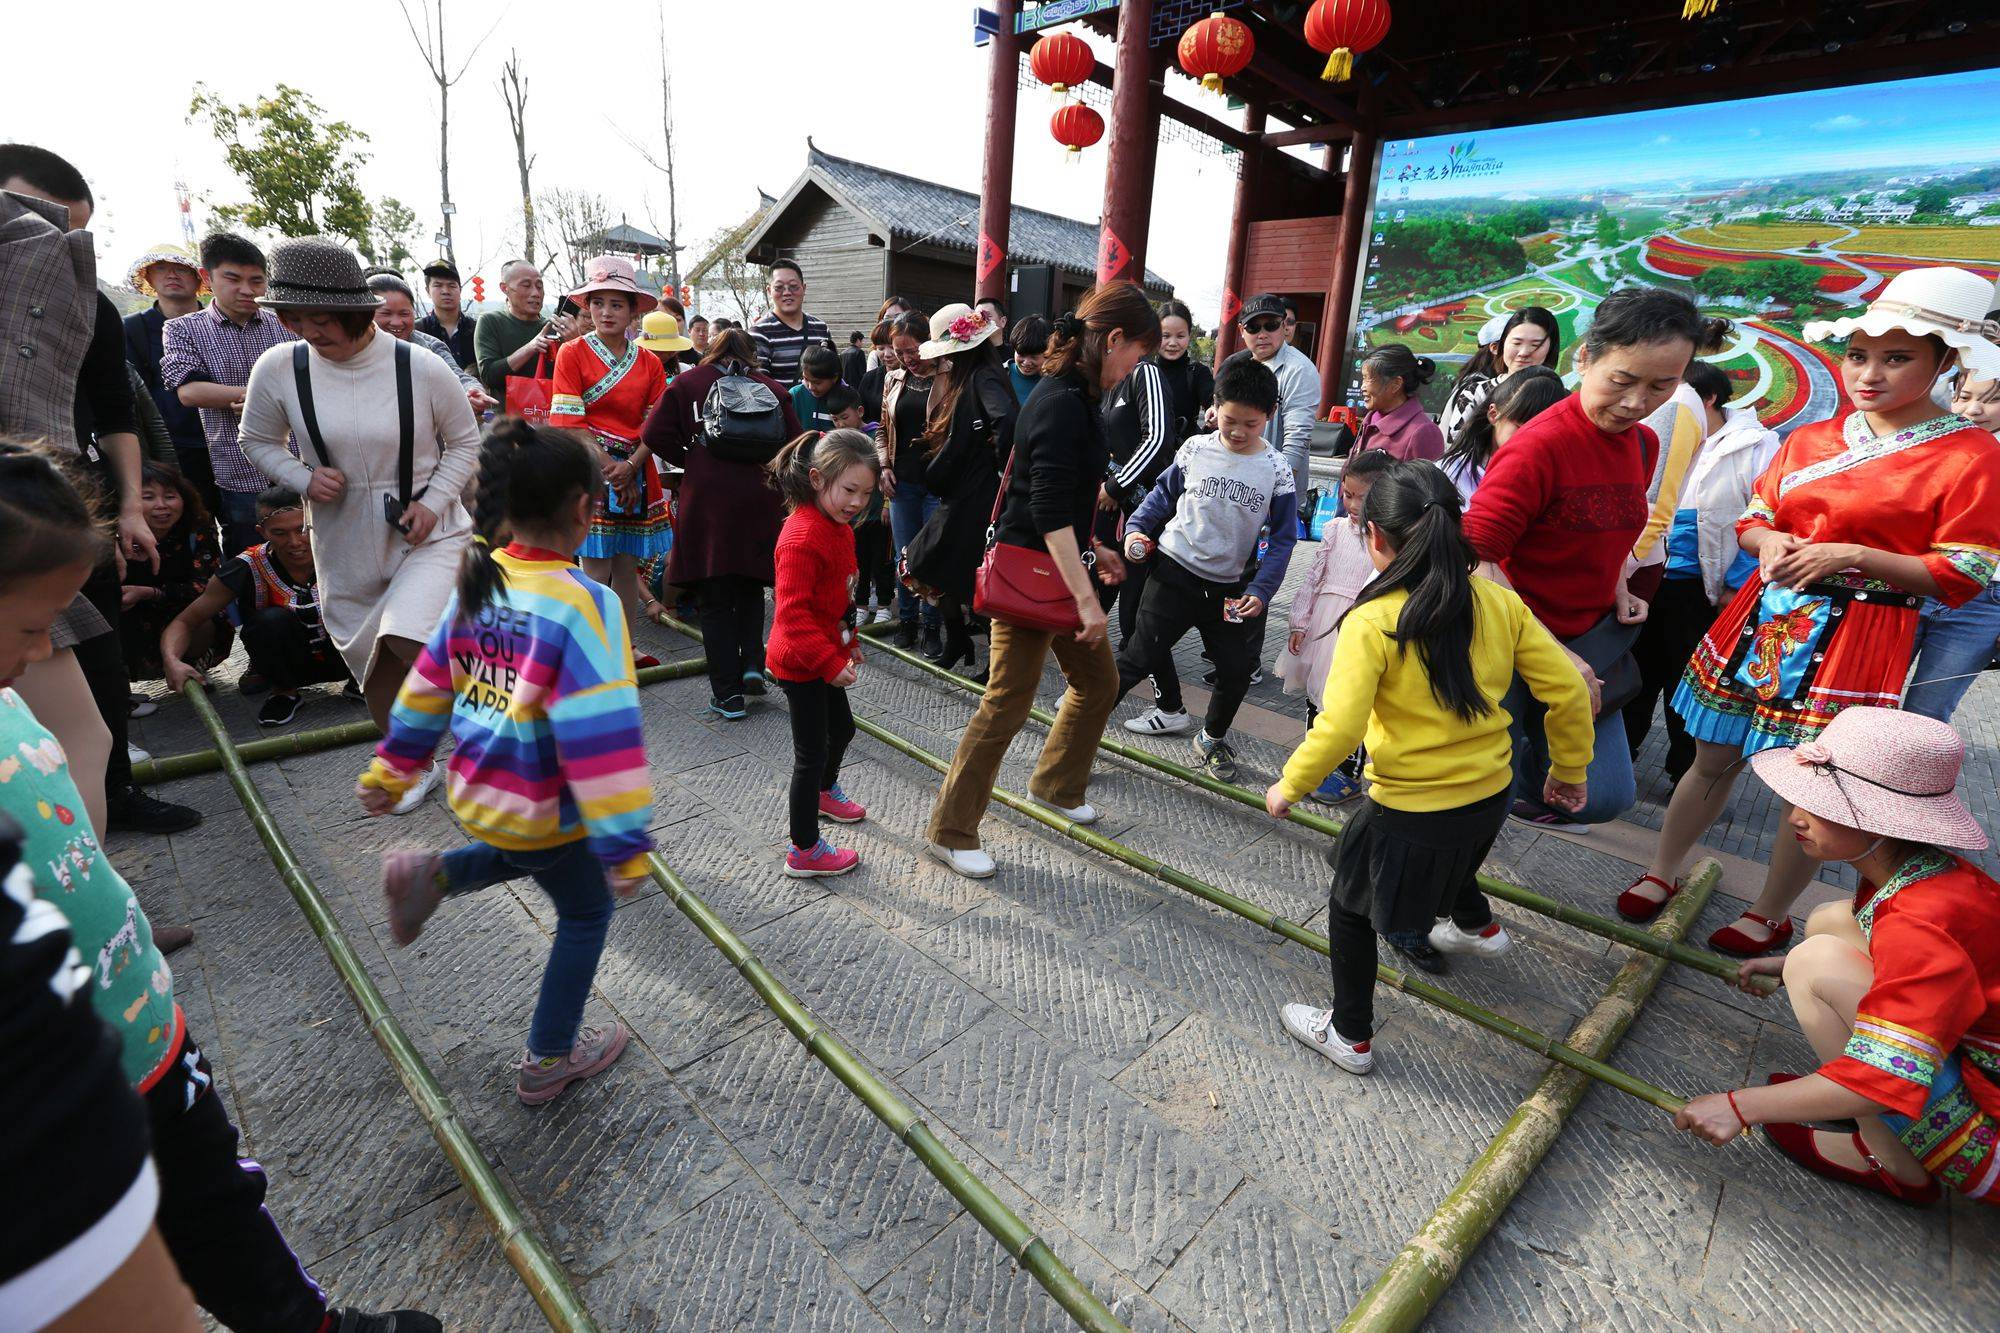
883	615
1153	722
972	863
1446	937
414	797
1076	814
1314	1028
137	755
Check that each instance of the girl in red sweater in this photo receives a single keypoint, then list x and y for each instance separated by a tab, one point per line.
826	481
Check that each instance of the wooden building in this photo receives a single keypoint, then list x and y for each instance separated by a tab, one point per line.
861	233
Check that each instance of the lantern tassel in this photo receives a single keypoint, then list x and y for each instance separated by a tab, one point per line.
1695	9
1340	64
1212	82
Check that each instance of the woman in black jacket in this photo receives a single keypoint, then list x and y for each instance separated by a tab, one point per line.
1052	488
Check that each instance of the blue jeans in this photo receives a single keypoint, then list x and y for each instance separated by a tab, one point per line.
909	509
1612	788
1953	647
575	881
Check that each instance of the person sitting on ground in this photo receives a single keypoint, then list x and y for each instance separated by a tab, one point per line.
1506	407
189	558
224	1241
1029	342
1204	518
819	375
531	668
274	590
397	317
1898	991
1419	670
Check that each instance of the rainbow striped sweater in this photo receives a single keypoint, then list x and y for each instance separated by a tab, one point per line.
539	693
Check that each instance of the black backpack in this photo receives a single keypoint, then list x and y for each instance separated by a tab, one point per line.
742	420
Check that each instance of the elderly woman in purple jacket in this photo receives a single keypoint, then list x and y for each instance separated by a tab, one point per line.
1391	377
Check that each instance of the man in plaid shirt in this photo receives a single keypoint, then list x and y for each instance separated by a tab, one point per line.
207	357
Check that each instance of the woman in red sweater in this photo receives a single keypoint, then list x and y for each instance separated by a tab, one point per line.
1557	513
826	481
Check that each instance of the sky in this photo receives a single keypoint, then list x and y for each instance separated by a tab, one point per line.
898	85
1908	124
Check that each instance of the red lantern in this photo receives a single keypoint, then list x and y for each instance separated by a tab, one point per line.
1062	60
478	288
1076	127
1343	29
1215	49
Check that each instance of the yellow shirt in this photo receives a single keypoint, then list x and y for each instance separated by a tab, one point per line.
1421	755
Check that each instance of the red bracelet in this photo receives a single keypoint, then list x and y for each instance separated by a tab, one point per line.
1739	1111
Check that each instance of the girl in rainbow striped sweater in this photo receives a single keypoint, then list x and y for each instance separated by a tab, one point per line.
532	669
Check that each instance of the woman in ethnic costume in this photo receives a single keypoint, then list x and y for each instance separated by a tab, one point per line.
1855	522
1899	994
604	387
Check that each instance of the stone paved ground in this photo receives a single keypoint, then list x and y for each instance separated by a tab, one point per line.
1099	1048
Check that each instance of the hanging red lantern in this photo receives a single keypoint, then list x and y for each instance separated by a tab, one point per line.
1344	29
1076	127
1062	60
1215	49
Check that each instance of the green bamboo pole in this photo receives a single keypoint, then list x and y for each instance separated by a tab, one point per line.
1022	1244
1414	1280
539	1269
329	738
1618	932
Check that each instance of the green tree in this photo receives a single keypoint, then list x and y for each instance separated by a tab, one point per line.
298	166
394	232
1931	198
1607	230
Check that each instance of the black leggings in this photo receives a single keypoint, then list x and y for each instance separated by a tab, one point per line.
732	630
875	557
1174	602
822	726
102	661
1675	621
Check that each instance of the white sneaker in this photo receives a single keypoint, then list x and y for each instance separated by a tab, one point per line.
1076	814
137	755
1314	1028
971	862
1446	937
883	615
1153	722
141	705
426	784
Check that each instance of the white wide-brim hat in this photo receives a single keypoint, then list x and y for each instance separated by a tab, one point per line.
958	327
169	253
1947	302
1882	771
1490	332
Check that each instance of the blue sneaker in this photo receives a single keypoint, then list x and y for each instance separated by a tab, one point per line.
753	682
1338	789
731	708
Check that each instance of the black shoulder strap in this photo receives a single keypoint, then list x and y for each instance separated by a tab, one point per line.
406	414
302	377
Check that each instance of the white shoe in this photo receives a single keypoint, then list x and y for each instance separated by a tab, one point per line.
1075	814
971	862
414	797
141	705
1446	937
1314	1028
137	755
883	615
1153	722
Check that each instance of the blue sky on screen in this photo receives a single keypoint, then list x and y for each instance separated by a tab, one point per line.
1911	123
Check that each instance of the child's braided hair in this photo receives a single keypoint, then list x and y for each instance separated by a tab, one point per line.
527	475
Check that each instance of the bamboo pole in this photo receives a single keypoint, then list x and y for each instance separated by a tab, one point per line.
1414	1280
539	1269
1618	932
197	762
1023	1245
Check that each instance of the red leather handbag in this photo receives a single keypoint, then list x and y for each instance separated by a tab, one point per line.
1019	585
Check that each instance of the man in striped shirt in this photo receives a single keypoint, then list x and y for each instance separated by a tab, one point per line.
784	334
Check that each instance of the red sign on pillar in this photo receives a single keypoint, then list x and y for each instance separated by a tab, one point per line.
1231	303
1112	257
991	257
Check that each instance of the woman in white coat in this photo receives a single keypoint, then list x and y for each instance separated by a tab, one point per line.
382	442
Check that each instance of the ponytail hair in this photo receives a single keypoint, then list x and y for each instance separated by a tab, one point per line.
1076	340
1416	509
1519	398
47	513
527	475
830	454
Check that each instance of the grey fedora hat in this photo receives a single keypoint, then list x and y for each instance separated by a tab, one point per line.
314	273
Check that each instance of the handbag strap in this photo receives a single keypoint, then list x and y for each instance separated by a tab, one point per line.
302	380
406	416
1000	499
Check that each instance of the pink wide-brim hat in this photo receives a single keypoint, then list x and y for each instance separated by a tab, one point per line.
1882	771
609	273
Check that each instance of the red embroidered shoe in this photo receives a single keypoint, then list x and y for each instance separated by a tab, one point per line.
1636	906
1801	1144
644	661
1732	939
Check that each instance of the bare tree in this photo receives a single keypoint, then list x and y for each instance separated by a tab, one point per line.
575	219
663	161
724	271
514	92
430	40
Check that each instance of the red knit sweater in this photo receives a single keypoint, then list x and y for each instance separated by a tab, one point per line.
810	639
1559	509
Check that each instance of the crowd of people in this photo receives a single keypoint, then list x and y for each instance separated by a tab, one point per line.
462	521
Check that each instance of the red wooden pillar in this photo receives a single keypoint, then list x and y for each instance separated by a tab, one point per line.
1135	142
1346	266
1228	337
996	183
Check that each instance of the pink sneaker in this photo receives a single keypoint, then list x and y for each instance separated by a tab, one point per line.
825	859
413	883
539	1081
834	805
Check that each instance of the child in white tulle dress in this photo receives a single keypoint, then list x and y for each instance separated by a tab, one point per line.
1339	571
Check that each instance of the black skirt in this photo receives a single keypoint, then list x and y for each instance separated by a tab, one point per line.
1402	869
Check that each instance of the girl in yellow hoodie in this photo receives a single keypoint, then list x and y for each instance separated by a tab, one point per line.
1422	660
